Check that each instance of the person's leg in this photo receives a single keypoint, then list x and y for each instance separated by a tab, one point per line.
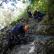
11	41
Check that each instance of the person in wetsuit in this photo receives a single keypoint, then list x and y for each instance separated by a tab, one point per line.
16	36
18	32
20	29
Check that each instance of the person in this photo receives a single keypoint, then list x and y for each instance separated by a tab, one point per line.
38	15
18	32
16	36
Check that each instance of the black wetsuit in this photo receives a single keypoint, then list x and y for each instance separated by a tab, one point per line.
18	33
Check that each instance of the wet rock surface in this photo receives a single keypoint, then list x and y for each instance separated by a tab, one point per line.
34	47
39	45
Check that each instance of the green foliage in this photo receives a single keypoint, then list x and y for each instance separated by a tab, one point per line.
41	5
24	15
13	23
51	8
